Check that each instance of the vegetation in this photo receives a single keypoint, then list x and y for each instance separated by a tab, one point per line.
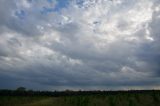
79	98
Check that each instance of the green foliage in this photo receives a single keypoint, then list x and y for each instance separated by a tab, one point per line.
117	99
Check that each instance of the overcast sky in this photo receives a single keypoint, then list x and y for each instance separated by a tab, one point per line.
80	44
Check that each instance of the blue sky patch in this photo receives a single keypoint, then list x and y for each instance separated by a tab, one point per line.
61	4
20	14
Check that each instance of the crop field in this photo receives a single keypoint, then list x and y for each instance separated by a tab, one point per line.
98	99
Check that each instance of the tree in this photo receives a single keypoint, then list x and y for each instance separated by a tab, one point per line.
21	89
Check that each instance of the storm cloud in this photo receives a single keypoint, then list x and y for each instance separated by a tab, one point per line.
80	44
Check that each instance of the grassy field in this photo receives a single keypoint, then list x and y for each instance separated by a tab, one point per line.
119	99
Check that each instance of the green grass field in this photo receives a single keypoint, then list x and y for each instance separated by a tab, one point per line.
122	99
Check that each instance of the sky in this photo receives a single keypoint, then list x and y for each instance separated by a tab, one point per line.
80	44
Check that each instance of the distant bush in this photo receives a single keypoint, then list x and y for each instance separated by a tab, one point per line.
21	89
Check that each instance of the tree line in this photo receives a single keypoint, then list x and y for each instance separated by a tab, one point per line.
21	91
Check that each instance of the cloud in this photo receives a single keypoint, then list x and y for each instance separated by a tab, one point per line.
80	44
